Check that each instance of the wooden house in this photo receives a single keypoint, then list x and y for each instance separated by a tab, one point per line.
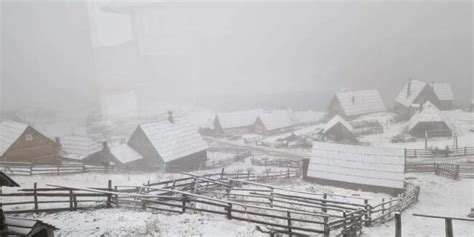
81	149
125	156
273	122
429	119
412	95
22	143
235	123
28	227
445	95
356	167
338	129
351	104
172	143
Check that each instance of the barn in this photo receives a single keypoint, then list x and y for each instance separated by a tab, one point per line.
372	169
81	149
236	123
445	95
125	156
274	122
351	104
338	129
412	95
22	143
429	119
174	144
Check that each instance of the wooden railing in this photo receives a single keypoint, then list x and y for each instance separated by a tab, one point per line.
453	171
447	220
28	169
277	162
443	152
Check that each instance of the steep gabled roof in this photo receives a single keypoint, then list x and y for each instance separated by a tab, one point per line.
405	98
277	119
443	91
429	113
238	119
360	102
10	132
125	154
337	120
174	140
79	147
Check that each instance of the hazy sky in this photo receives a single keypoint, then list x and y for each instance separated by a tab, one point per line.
242	48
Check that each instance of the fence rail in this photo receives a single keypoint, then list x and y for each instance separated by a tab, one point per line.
453	171
29	169
277	162
447	152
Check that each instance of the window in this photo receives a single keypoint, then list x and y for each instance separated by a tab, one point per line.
29	137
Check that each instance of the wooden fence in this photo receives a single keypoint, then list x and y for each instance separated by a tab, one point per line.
24	168
298	164
447	220
432	153
386	210
453	171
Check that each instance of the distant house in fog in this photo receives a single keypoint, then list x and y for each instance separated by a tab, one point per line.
172	143
22	143
237	122
412	95
82	149
351	104
338	129
124	155
429	119
273	122
445	95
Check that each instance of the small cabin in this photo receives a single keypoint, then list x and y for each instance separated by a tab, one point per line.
125	156
352	104
429	120
235	123
412	95
172	143
445	95
338	129
82	149
28	227
22	143
274	122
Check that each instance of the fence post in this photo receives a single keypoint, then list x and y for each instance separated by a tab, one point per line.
222	173
288	173
183	208
289	222
456	172
35	196
57	168
405	155
398	225
83	168
31	170
449	227
248	175
70	200
383	209
326	227
143	204
465	151
325	196
344	216
109	196
74	199
229	211
116	196
367	213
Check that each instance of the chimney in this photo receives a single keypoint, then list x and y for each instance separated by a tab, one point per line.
59	146
170	116
105	146
409	88
353	99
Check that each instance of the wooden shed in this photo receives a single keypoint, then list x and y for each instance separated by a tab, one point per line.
351	104
338	129
372	169
81	149
445	95
273	122
22	143
429	119
125	156
28	227
412	95
236	123
172	143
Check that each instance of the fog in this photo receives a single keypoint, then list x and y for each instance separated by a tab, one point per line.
227	55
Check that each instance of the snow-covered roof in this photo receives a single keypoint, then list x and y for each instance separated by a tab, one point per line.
443	91
365	165
360	102
337	120
415	89
277	119
174	140
79	147
125	154
9	132
25	227
238	119
429	113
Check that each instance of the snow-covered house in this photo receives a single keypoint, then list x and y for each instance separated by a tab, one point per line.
237	122
22	143
351	104
273	122
372	169
412	95
338	129
82	149
173	143
124	155
429	119
445	95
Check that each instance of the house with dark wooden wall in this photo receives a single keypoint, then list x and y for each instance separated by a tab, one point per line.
338	129
273	122
429	119
445	95
412	95
125	156
172	143
22	143
352	104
